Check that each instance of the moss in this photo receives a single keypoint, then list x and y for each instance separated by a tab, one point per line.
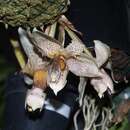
31	12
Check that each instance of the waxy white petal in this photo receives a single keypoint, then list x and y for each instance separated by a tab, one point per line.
83	67
75	48
35	99
45	44
34	61
25	42
102	84
57	86
102	52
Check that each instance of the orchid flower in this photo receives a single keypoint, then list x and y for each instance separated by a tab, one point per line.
76	60
102	54
35	66
34	62
104	82
73	58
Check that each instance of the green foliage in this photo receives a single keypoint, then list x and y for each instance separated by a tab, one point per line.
123	126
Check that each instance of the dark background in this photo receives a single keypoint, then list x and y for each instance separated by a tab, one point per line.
105	20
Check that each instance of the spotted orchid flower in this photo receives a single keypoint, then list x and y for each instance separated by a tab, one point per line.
71	58
35	67
104	82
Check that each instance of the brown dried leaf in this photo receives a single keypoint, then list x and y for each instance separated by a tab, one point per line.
120	65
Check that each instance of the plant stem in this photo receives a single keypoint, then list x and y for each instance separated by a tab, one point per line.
18	53
53	30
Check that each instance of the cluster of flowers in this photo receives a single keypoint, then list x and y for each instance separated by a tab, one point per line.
49	63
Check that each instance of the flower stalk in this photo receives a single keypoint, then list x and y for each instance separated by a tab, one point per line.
18	53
